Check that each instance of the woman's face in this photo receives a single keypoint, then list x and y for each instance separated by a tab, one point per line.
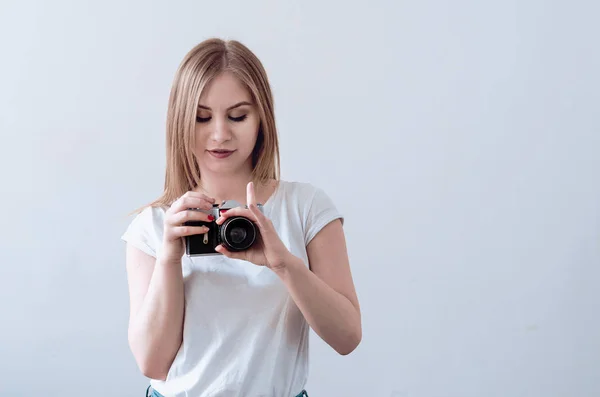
228	121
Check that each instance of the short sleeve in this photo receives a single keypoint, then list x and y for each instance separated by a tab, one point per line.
141	232
322	211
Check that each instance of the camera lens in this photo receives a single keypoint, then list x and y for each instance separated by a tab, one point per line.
238	233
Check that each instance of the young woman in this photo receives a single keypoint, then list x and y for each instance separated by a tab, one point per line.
234	323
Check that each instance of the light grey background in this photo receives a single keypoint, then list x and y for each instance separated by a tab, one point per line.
460	139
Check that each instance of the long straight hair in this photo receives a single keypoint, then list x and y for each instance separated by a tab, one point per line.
199	66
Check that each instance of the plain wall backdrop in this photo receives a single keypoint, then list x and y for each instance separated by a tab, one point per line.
460	139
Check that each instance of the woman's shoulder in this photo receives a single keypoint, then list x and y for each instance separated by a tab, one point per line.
315	207
151	214
146	228
148	221
306	195
299	189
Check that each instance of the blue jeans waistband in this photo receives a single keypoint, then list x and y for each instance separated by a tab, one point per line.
150	392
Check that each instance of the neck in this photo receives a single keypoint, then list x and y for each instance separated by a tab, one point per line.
226	187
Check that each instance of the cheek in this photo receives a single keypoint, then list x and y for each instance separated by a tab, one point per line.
201	134
249	132
200	140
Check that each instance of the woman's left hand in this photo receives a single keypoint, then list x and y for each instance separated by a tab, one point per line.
268	250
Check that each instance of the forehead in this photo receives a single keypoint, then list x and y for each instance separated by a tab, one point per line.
223	91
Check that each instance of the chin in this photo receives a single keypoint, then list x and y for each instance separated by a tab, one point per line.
227	168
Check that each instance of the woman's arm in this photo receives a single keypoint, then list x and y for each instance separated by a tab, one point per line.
156	311
325	294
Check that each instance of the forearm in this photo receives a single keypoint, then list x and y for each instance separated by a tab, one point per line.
156	331
330	314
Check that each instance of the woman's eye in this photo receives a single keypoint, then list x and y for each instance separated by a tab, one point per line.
239	119
236	119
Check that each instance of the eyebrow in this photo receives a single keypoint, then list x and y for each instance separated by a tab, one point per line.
230	107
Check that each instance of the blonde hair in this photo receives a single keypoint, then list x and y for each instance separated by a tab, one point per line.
200	65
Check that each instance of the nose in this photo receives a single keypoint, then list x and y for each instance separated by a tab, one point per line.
220	131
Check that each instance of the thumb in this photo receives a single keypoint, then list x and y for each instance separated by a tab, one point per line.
230	254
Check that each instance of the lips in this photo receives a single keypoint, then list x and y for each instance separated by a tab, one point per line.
221	153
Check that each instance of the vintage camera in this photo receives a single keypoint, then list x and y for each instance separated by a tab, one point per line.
237	233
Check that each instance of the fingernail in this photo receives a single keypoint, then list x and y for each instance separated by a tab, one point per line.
211	218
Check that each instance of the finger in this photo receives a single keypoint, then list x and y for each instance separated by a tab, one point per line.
181	231
189	216
233	255
250	194
186	202
238	211
261	219
199	195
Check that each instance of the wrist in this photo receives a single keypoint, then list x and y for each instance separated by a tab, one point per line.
289	266
168	262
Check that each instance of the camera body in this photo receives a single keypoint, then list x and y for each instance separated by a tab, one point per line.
237	233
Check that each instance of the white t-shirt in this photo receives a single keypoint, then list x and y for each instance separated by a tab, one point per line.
243	334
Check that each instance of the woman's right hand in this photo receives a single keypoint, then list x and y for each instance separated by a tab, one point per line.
173	246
